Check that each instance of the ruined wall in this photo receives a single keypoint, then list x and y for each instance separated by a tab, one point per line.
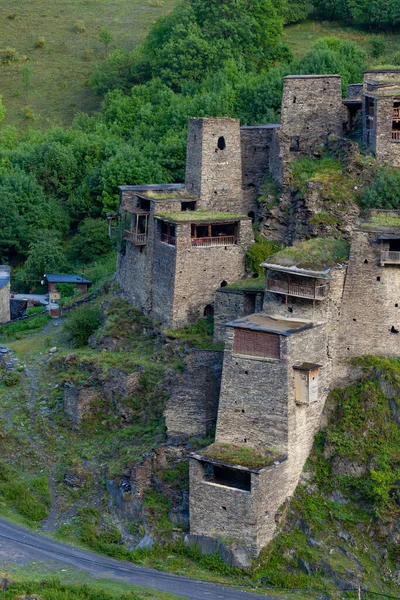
371	301
5	314
386	150
232	304
77	401
256	144
163	276
200	271
191	410
311	108
220	511
215	173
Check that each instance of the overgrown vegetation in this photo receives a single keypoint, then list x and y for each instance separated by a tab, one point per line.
241	455
54	589
81	323
315	254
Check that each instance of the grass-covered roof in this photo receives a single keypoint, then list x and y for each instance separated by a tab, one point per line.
200	216
241	455
315	254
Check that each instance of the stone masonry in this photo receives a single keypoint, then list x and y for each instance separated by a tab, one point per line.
5	315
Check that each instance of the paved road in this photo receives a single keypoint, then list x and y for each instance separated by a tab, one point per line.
38	548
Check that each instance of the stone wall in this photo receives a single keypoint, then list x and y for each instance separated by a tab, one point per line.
257	394
232	304
215	173
191	410
371	301
256	143
327	311
200	271
5	314
221	511
311	108
386	150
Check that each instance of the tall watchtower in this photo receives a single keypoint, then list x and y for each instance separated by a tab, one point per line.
311	108
214	164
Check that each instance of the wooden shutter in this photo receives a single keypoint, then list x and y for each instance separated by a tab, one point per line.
256	343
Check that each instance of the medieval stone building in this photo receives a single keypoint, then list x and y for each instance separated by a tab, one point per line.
286	345
4	294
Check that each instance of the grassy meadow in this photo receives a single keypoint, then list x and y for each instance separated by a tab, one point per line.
57	85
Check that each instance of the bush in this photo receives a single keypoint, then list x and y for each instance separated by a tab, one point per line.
80	27
12	378
82	323
40	42
377	47
258	253
92	241
383	191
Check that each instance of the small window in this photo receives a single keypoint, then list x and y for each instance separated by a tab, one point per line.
257	344
188	205
221	143
294	143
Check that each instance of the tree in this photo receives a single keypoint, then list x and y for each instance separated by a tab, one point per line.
92	240
106	37
46	255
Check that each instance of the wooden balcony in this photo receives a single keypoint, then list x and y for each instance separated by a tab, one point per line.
209	242
395	136
139	239
168	239
312	292
390	257
396	113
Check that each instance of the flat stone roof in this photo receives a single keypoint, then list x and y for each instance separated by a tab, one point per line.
325	274
268	126
311	76
154	187
272	324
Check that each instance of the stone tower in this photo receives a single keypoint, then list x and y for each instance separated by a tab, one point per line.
214	164
311	108
381	115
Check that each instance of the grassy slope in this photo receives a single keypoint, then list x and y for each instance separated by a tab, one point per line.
60	70
301	36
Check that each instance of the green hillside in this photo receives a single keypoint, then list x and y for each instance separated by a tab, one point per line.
60	68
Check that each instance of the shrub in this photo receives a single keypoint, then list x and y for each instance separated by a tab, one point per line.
377	47
80	27
383	191
82	323
258	253
40	42
12	378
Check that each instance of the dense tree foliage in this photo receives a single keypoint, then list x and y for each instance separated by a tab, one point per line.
379	13
205	58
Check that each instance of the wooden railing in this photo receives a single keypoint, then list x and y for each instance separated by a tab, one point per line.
208	242
390	256
396	113
396	135
139	239
168	239
280	286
